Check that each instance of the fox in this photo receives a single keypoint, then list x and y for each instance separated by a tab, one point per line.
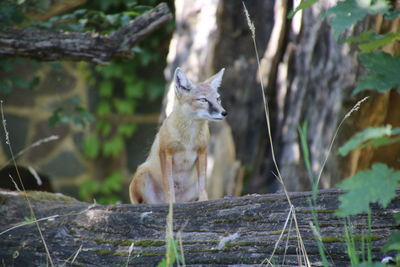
176	167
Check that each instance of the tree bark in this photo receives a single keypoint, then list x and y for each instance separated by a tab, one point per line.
227	231
50	45
192	49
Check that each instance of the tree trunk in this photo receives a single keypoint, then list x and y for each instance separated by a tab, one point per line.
192	49
308	76
243	230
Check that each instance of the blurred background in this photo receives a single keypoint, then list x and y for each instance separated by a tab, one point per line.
85	127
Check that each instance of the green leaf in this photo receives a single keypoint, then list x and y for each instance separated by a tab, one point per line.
397	217
134	90
162	263
365	36
378	41
347	13
55	117
113	147
376	185
303	5
91	147
106	88
5	86
126	129
104	128
34	82
103	108
393	14
369	41
373	136
112	182
124	106
393	243
384	72
88	188
20	82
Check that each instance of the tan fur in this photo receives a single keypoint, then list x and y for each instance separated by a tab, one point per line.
175	169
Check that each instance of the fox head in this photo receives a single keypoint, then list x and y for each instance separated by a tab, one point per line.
202	100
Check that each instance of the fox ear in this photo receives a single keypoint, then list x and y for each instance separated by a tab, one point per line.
182	83
215	81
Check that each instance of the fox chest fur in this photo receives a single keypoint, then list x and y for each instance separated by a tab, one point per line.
184	141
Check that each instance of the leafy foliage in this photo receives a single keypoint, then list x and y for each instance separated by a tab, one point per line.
303	5
369	41
378	184
10	13
71	111
102	191
393	243
383	70
347	13
122	84
8	67
372	136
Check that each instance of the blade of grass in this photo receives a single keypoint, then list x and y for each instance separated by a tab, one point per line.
8	142
36	144
267	117
279	238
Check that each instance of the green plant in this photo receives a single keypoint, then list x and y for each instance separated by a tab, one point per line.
122	85
379	183
173	252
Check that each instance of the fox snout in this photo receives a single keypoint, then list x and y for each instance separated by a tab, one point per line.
217	112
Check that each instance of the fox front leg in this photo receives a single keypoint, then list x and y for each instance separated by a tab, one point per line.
202	175
167	179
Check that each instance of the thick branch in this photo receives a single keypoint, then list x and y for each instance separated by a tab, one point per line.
49	46
220	232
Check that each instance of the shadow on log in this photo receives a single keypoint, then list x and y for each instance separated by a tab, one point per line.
221	232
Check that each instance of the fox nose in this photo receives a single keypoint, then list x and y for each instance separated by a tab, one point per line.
224	113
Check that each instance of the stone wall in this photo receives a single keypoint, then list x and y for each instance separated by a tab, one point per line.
27	113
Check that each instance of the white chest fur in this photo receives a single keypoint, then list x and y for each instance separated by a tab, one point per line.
184	161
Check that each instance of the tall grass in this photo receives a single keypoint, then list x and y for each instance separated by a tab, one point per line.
33	215
303	252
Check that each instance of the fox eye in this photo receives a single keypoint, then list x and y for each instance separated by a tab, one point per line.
202	100
219	100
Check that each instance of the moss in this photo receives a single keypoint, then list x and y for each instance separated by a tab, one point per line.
109	252
317	211
113	242
149	243
278	232
121	254
46	196
332	239
152	254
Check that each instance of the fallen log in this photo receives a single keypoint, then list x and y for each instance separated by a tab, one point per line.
53	45
228	231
